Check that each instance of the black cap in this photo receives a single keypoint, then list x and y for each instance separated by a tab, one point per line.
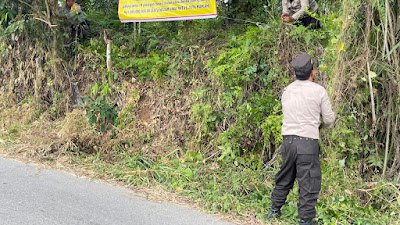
303	65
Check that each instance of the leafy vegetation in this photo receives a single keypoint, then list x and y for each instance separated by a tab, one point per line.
195	105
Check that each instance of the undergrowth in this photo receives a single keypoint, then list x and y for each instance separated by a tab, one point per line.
240	188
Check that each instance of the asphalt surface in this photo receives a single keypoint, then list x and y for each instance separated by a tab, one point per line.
50	197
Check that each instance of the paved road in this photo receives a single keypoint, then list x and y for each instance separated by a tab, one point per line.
47	197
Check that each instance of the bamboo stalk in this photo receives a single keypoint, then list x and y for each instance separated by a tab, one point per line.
134	30
392	34
48	10
109	62
385	37
108	52
26	3
37	81
46	22
389	119
395	145
371	90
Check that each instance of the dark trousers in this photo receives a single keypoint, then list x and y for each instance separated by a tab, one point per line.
300	161
81	30
309	21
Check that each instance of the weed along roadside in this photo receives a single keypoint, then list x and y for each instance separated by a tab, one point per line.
190	111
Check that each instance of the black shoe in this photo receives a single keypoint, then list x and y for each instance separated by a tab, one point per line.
274	213
307	221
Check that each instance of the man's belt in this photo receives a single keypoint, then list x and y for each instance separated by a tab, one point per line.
295	137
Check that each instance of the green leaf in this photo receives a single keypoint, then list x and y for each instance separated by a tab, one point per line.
342	162
92	119
199	157
398	199
334	40
187	173
106	89
394	48
372	74
94	90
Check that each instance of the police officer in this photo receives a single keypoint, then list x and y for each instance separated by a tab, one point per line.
303	103
296	10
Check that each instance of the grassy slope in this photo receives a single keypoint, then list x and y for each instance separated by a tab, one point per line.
198	108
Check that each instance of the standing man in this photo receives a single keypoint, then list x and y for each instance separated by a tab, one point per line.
76	17
296	10
303	103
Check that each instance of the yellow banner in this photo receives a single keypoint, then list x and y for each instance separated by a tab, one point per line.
162	10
